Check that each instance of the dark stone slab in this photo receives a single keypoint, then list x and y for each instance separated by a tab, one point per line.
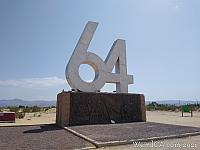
81	108
129	132
45	137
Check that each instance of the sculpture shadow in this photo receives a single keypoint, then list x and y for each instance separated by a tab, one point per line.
44	128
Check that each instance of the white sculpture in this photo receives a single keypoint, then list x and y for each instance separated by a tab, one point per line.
103	69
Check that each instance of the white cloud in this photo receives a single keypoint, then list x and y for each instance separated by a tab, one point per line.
35	83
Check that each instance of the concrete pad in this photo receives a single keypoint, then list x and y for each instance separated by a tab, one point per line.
116	134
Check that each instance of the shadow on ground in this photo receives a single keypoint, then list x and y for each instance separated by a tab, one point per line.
44	128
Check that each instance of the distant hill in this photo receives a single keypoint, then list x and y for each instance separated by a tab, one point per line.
17	102
43	103
173	102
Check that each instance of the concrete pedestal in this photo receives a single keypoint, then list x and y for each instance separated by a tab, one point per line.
83	108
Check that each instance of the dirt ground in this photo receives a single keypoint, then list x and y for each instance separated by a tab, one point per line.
174	118
48	117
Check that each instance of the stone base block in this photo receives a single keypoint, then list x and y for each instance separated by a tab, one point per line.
82	108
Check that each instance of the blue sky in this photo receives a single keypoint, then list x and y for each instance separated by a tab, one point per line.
37	38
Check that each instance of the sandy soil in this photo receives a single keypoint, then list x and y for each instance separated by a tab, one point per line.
48	117
174	118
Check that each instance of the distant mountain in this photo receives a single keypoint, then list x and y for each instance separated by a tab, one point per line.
43	103
173	102
17	102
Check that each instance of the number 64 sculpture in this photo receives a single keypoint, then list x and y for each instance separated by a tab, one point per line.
103	69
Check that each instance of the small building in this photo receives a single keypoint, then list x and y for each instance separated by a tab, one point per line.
7	116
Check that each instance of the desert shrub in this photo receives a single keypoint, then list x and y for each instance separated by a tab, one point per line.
20	106
195	107
14	109
162	107
150	108
19	115
36	109
27	109
46	109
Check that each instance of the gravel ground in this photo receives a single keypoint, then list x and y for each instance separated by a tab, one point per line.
46	137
